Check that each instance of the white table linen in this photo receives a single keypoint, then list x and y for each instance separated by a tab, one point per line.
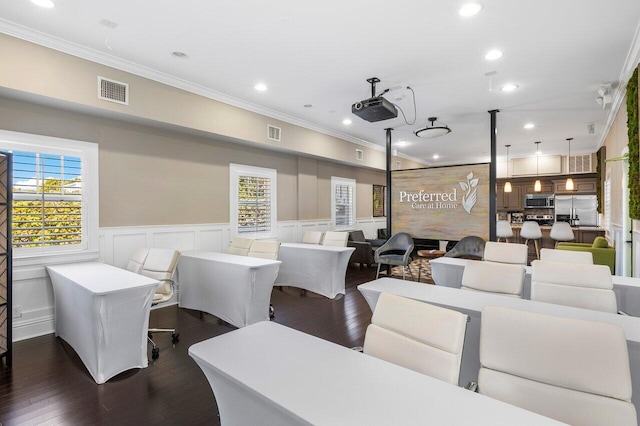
447	271
103	313
472	303
273	375
317	268
236	289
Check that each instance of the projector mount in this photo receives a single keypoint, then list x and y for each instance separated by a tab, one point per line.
373	81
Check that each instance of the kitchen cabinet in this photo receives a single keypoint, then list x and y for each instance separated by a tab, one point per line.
510	201
547	188
582	186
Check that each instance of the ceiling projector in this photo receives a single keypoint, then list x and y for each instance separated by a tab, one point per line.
376	108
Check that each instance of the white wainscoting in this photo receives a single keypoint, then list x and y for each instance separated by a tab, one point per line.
635	261
32	289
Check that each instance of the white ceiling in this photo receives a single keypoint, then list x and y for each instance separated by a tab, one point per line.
321	53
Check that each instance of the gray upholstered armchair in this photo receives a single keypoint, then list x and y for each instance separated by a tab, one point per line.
395	252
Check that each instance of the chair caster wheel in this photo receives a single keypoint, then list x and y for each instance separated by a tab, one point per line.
175	337
272	312
155	353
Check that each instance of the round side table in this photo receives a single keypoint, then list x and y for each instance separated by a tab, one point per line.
428	254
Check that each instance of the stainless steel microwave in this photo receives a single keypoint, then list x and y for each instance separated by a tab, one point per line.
539	201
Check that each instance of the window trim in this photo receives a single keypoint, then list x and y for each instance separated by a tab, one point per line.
343	181
237	170
88	153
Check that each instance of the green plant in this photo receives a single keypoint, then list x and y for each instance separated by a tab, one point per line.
634	160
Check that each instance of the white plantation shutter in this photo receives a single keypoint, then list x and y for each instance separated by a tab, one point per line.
254	204
343	202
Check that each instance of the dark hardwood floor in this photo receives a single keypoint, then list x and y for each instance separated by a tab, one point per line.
49	385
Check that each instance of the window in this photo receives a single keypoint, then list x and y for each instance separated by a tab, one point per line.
54	182
607	205
343	204
253	200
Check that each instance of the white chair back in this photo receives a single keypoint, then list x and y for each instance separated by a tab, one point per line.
503	229
567	256
489	277
239	246
574	371
530	230
505	253
137	260
561	231
573	284
312	237
337	239
264	249
404	332
161	265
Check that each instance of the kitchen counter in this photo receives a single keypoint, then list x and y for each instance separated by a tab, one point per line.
583	234
575	228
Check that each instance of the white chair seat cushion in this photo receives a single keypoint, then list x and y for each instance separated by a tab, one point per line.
401	350
594	359
494	277
566	256
569	406
505	253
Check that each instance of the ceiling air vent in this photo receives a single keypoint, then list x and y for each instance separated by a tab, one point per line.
359	155
273	133
580	164
113	91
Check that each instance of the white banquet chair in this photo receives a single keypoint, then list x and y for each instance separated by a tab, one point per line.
571	370
239	246
137	260
416	335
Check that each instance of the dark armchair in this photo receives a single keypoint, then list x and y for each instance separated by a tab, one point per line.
468	248
395	252
364	248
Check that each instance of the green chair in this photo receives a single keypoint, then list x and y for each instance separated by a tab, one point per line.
602	253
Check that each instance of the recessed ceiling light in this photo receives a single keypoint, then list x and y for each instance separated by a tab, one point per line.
470	9
179	54
509	87
260	87
436	156
493	55
529	126
346	121
44	3
308	106
402	143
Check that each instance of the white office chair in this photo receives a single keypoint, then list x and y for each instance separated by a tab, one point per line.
239	246
570	370
160	265
567	256
531	231
137	260
312	237
503	230
505	253
561	231
416	335
497	278
336	239
264	249
573	284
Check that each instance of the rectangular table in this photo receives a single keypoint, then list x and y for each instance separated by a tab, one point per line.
472	303
273	375
103	313
313	267
236	289
448	271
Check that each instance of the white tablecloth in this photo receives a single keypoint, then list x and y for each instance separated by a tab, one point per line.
447	271
103	313
236	289
313	267
269	374
472	303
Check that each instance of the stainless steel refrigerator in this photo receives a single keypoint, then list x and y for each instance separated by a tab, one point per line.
580	208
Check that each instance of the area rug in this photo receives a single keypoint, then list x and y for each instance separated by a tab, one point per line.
418	266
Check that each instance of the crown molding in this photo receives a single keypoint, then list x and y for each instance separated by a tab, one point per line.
630	64
24	33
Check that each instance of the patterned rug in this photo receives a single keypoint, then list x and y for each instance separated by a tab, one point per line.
415	266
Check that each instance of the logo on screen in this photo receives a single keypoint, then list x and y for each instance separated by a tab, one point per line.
471	192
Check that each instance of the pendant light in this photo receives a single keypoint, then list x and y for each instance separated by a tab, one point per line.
537	187
569	184
507	184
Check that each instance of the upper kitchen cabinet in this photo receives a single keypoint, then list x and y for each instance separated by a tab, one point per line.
509	200
547	187
581	186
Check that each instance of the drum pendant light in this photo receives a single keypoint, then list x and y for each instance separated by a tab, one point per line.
507	184
537	187
569	185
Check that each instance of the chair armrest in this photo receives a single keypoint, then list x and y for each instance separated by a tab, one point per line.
357	244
